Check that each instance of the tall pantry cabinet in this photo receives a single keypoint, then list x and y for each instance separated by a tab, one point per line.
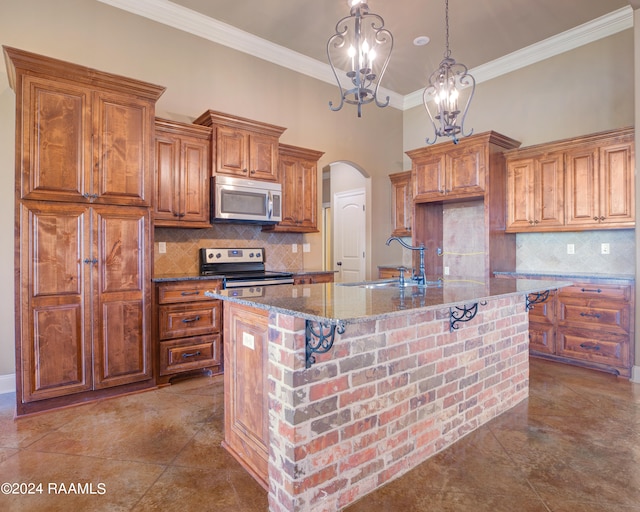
84	151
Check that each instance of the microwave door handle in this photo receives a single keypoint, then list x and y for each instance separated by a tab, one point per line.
269	205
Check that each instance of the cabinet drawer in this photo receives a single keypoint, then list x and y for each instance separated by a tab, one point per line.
588	345
313	279
598	315
186	291
189	354
597	291
182	320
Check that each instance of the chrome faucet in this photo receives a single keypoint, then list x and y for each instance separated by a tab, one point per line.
421	276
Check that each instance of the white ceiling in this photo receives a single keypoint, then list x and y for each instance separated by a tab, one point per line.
485	35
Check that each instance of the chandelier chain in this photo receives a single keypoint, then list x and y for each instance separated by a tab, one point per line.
447	52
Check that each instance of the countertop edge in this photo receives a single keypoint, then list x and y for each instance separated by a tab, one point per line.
533	286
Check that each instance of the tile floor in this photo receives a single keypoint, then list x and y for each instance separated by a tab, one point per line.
574	445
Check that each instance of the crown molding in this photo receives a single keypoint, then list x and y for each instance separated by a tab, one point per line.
601	27
192	22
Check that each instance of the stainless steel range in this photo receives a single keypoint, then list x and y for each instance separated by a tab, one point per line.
240	267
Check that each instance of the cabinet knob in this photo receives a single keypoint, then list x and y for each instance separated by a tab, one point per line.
601	218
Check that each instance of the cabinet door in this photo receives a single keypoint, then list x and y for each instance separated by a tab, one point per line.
542	337
122	351
55	129
549	192
401	203
194	183
583	195
231	152
123	128
520	194
263	157
617	189
465	172
309	195
246	398
291	181
429	174
55	320
167	180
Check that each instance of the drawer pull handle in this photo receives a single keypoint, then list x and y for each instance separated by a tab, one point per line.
589	347
591	315
185	294
192	354
190	320
588	290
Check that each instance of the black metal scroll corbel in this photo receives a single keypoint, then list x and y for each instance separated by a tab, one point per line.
463	314
319	338
536	298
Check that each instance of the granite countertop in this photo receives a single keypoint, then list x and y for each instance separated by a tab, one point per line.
567	275
335	303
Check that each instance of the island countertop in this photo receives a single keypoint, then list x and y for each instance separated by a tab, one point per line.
344	303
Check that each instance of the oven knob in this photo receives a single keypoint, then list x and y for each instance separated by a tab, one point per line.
209	255
250	255
257	255
218	255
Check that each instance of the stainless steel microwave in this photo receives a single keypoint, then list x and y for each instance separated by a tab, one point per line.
238	199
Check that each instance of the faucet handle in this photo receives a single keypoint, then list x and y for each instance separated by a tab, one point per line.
401	275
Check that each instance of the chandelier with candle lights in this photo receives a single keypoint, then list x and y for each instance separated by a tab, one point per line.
362	46
448	85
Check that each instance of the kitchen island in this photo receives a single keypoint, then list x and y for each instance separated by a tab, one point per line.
332	390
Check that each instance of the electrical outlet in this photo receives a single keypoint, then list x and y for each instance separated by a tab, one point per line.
446	271
306	247
162	247
294	247
571	249
604	249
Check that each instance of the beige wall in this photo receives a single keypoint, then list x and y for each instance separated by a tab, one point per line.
200	75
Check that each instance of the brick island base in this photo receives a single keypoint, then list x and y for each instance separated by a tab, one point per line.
391	393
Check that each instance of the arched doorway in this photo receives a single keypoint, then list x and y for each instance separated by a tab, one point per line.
347	220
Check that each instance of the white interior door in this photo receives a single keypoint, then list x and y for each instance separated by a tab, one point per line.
349	235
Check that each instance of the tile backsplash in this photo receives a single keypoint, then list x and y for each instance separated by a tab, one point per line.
183	245
547	252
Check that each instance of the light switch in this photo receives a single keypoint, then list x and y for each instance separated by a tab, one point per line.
571	249
162	247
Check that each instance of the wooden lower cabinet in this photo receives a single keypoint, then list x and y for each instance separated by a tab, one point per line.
246	423
313	278
189	328
85	303
590	323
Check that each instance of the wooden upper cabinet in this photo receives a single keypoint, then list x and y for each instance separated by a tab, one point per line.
601	186
242	147
182	175
574	184
86	135
457	174
453	172
535	198
298	170
401	203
